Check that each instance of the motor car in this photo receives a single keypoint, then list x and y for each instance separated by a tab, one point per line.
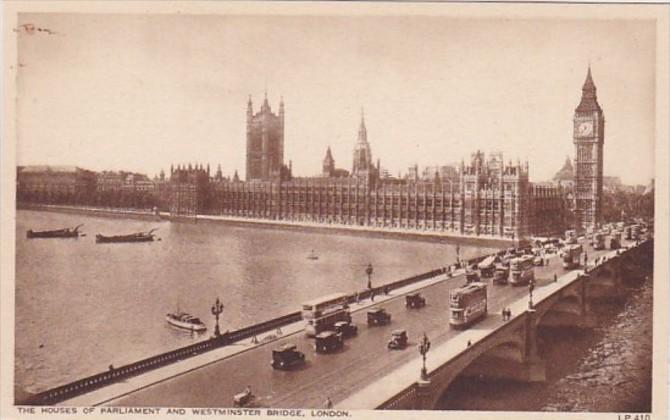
398	340
415	301
378	316
347	329
471	276
287	356
328	341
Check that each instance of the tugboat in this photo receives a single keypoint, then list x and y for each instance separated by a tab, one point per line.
186	321
59	233
312	256
133	237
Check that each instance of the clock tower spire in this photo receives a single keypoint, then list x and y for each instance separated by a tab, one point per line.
588	138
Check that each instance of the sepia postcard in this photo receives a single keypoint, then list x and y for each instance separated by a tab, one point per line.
333	210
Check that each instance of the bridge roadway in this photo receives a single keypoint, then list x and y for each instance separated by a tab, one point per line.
363	360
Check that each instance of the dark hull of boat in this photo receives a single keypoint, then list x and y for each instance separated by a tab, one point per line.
124	238
52	234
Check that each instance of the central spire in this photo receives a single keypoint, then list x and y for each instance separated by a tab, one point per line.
362	131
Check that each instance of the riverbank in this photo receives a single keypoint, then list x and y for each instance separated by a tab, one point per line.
301	226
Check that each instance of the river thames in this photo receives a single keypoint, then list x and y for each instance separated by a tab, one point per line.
81	306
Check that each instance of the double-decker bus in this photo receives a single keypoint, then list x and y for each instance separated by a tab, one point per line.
321	314
598	241
521	270
570	236
467	304
572	256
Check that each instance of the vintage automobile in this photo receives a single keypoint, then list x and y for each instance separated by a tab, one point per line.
398	340
347	329
415	301
538	260
378	316
471	276
242	399
328	341
287	356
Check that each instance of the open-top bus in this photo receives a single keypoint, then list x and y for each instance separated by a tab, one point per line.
570	236
321	314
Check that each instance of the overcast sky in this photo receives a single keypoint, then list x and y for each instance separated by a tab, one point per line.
141	92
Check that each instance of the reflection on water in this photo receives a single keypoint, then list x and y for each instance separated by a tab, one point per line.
82	306
607	369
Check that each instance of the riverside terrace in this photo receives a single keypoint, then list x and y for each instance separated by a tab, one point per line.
351	377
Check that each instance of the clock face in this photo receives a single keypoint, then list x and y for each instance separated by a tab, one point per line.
585	128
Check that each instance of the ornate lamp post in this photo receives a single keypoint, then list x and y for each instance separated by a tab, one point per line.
369	271
217	308
424	346
531	287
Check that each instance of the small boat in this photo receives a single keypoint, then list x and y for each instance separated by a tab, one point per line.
59	233
312	256
185	321
133	237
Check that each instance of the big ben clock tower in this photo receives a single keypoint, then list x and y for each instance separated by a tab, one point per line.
588	137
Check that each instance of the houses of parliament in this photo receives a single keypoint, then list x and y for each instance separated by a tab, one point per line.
483	196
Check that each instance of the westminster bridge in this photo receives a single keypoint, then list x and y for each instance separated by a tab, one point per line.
365	375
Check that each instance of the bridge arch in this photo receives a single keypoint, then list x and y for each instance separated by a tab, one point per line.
509	348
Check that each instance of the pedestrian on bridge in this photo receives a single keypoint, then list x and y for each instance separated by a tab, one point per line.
469	343
504	314
328	403
555	278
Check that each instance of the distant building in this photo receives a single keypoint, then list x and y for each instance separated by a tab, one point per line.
54	184
565	177
611	184
329	169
